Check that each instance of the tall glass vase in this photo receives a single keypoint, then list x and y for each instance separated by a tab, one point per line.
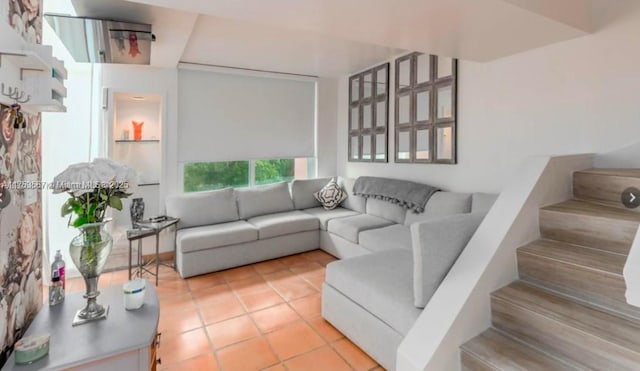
89	252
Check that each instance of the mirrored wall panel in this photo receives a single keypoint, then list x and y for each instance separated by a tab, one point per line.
368	115
403	145
425	109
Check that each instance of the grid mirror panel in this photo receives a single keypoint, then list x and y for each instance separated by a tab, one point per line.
425	109
368	115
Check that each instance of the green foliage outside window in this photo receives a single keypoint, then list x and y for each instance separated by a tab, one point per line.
205	176
273	171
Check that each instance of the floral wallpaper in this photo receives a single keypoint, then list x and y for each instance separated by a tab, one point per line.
25	16
20	204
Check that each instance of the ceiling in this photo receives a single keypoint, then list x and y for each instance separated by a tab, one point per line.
338	37
228	42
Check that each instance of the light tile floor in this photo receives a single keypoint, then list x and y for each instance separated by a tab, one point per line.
264	316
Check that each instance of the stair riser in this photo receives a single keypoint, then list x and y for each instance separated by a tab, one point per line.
561	339
594	286
607	234
471	363
604	189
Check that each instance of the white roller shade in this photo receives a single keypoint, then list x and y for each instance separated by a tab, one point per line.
236	117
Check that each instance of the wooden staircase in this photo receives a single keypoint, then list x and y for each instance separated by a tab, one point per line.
568	309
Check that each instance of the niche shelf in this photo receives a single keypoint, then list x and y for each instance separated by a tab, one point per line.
138	141
144	155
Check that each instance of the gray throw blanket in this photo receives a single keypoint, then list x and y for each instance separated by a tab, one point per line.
410	195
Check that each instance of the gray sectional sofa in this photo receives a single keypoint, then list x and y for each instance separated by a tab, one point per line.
392	260
233	227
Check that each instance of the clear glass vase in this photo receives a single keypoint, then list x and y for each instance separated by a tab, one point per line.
89	251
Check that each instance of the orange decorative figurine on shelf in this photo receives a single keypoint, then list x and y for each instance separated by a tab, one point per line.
137	130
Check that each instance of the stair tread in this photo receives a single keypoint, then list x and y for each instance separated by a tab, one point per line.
602	260
592	209
627	173
609	327
503	353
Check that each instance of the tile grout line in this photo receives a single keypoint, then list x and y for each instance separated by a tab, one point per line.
287	302
306	321
327	343
201	327
204	327
237	296
330	343
263	334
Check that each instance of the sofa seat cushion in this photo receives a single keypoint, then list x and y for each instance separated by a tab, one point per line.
388	238
217	235
279	224
381	283
324	216
349	227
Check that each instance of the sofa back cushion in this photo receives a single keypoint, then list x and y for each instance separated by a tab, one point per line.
355	203
386	210
436	245
203	208
269	199
482	202
441	204
302	191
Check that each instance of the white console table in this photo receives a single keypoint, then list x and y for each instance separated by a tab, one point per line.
126	340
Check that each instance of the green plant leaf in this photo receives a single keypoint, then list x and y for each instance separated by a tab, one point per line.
81	220
92	208
76	206
116	203
66	209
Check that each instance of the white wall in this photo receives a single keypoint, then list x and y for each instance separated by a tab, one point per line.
150	80
327	119
577	96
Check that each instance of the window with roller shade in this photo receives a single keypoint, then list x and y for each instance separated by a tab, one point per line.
229	116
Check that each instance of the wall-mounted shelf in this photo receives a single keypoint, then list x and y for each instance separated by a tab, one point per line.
32	69
52	106
58	87
59	71
137	141
148	184
25	60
